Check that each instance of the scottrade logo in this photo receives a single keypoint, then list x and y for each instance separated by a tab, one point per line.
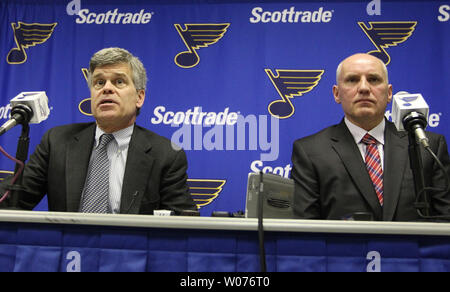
194	116
444	13
85	16
291	15
5	112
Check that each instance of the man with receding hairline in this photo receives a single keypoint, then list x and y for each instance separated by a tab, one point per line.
361	165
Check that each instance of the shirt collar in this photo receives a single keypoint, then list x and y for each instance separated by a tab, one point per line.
358	133
122	137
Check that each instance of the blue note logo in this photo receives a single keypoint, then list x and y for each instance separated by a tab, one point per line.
5	173
205	191
85	105
196	36
385	34
28	35
289	84
408	99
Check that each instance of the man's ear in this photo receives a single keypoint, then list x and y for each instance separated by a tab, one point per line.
389	93
140	98
336	94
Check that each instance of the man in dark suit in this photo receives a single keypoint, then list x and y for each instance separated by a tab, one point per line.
340	171
144	172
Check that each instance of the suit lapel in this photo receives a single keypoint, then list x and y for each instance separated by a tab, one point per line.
395	162
77	162
344	144
137	172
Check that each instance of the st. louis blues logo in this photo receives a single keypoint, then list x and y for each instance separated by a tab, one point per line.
204	191
289	84
386	34
85	105
4	174
196	36
409	99
28	35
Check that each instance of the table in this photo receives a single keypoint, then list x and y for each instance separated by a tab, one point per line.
71	242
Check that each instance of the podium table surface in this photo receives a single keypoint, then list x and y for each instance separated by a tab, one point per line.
54	241
228	223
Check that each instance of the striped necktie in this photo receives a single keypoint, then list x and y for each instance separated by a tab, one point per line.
96	193
373	164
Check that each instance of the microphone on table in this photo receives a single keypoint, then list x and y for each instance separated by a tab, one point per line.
410	113
27	107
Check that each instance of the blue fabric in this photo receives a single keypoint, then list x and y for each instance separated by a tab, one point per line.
72	248
236	74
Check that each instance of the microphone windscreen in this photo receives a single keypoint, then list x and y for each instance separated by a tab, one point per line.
404	103
37	101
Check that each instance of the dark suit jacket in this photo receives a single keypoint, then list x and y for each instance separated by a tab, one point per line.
331	180
155	174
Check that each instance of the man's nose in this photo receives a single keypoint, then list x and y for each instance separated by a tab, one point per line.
364	86
108	87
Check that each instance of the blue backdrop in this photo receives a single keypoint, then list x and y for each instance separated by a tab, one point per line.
259	73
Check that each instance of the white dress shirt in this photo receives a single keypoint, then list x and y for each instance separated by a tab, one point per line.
377	132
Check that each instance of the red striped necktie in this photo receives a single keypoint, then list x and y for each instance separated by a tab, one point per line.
373	164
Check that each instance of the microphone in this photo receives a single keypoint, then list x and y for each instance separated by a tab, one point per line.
27	107
410	113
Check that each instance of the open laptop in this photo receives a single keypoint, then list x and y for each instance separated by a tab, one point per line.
278	193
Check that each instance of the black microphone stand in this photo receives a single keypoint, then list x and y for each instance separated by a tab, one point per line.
262	250
23	116
415	158
22	155
411	122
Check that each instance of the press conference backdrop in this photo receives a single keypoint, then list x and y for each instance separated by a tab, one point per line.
232	82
